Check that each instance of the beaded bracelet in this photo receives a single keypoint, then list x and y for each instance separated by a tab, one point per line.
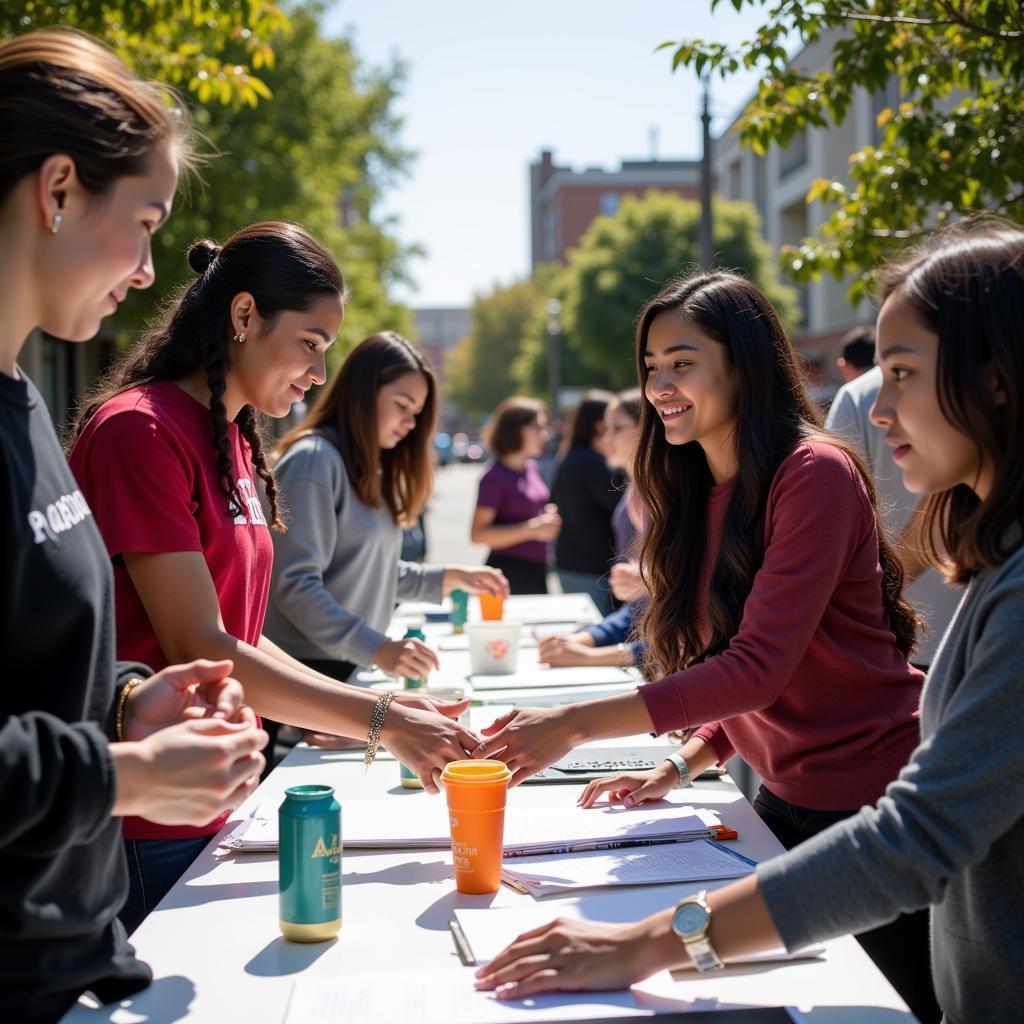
122	702
380	710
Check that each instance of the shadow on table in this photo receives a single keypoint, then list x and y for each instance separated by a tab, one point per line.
191	895
410	873
280	957
165	1001
436	917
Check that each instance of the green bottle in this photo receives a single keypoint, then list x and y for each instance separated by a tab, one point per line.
406	776
309	864
460	610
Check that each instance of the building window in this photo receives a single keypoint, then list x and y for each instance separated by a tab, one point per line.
609	204
794	155
735	179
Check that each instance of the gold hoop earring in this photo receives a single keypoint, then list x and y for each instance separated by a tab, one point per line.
240	338
58	219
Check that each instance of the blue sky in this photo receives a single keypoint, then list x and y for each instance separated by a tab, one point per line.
489	86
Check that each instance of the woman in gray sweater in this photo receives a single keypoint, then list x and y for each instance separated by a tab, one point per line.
351	475
949	832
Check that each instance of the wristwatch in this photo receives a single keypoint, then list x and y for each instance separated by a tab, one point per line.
682	769
690	922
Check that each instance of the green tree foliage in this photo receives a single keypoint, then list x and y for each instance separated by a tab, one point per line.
214	49
479	368
951	146
623	260
319	148
320	153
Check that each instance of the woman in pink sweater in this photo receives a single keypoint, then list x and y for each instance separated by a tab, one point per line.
776	627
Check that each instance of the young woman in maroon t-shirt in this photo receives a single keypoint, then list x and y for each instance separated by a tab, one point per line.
776	620
167	448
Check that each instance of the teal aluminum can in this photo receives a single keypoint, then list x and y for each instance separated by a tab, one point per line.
309	861
460	610
407	778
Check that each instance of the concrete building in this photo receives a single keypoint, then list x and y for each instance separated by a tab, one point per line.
437	329
564	202
777	185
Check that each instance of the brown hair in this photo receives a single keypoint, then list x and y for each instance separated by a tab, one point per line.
631	401
774	416
346	413
503	434
284	268
585	420
967	287
65	92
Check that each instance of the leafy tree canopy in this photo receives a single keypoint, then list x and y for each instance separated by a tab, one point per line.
623	260
951	146
214	49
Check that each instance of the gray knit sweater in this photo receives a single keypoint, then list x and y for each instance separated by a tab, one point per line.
949	831
337	571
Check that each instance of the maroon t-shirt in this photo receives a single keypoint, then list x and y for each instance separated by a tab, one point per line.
812	691
147	466
516	497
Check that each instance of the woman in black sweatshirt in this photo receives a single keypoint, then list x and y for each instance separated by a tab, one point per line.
88	170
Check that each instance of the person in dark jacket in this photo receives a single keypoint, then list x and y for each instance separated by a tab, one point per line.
587	493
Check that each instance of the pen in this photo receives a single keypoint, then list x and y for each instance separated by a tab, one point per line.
613	844
461	943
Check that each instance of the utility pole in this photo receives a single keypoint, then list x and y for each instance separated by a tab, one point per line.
553	308
707	245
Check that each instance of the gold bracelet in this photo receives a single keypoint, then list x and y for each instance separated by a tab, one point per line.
122	702
380	710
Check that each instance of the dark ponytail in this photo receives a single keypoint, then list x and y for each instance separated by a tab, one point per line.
284	268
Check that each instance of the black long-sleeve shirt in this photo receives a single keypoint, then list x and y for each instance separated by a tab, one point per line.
586	492
63	876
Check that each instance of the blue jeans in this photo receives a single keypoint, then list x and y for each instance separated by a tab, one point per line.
584	583
154	865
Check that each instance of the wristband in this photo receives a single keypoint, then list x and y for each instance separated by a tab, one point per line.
683	770
122	702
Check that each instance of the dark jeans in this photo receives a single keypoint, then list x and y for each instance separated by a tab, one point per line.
899	949
523	577
154	865
339	670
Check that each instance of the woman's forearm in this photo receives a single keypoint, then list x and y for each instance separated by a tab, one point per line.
699	755
498	537
280	688
602	719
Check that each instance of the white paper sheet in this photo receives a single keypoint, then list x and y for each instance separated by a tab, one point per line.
488	930
646	865
448	997
422	821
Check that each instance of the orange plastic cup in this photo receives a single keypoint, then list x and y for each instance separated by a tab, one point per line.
492	607
477	791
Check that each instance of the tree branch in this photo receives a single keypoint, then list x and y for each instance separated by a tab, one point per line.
955	17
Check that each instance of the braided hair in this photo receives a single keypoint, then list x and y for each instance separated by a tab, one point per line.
284	268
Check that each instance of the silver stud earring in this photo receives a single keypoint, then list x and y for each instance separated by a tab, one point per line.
240	338
58	219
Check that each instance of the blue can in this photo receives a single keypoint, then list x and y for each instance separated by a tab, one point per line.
309	861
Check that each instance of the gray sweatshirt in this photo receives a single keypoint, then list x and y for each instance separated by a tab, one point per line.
949	831
337	572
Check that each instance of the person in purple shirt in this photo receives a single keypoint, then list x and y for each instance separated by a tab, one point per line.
513	515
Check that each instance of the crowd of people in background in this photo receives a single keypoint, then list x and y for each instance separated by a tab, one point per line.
181	578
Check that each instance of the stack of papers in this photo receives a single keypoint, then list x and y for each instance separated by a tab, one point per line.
422	822
663	864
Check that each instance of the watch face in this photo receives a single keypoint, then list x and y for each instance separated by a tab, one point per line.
689	919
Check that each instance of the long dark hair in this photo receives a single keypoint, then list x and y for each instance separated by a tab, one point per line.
401	476
65	92
285	269
584	420
967	287
774	415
